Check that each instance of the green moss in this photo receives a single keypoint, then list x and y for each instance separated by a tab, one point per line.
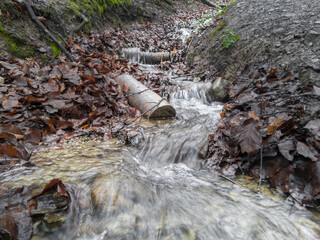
3	7
90	9
217	30
75	8
16	46
1	28
96	6
100	10
55	48
87	27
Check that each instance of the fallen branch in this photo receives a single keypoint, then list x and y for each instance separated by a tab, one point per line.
144	113
208	3
44	29
147	101
230	180
132	94
146	57
84	22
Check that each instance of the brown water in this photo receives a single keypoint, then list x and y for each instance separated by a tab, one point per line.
156	188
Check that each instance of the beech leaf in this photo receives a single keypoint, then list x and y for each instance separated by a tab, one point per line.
250	138
286	147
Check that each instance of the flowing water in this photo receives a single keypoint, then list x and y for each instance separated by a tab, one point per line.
156	189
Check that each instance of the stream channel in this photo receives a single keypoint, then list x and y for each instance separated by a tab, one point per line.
157	189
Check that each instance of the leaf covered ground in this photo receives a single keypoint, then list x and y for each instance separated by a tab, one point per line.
271	122
44	104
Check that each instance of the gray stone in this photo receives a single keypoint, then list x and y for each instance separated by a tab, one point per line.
217	91
50	203
107	198
1	80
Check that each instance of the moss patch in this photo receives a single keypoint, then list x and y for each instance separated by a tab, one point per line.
55	48
16	46
96	6
217	30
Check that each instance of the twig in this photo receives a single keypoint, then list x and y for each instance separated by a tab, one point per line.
62	38
132	94
44	29
261	155
208	3
260	170
188	75
148	110
230	180
84	22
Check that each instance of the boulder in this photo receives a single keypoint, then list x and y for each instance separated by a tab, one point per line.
217	91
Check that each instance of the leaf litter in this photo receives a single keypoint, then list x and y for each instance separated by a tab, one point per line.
275	120
43	104
48	104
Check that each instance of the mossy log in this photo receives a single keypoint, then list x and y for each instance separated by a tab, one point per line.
148	102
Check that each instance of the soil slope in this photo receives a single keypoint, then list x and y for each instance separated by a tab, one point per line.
275	34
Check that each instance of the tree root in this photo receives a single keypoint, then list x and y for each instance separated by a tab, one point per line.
44	29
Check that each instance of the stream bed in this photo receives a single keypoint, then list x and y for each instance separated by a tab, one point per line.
157	189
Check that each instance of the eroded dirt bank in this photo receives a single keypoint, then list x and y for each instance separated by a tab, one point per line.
273	34
21	37
271	120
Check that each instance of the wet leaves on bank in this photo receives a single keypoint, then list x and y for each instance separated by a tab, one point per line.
278	118
65	99
50	103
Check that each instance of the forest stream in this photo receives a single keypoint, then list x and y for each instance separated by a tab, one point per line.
158	186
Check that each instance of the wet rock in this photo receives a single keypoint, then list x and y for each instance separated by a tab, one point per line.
105	197
50	203
49	209
217	91
54	220
15	224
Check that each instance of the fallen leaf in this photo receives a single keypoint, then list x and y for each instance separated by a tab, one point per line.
286	147
9	104
33	135
304	150
54	185
249	138
253	115
275	124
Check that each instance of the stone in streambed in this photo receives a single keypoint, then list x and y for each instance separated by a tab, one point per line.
104	197
217	91
49	203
